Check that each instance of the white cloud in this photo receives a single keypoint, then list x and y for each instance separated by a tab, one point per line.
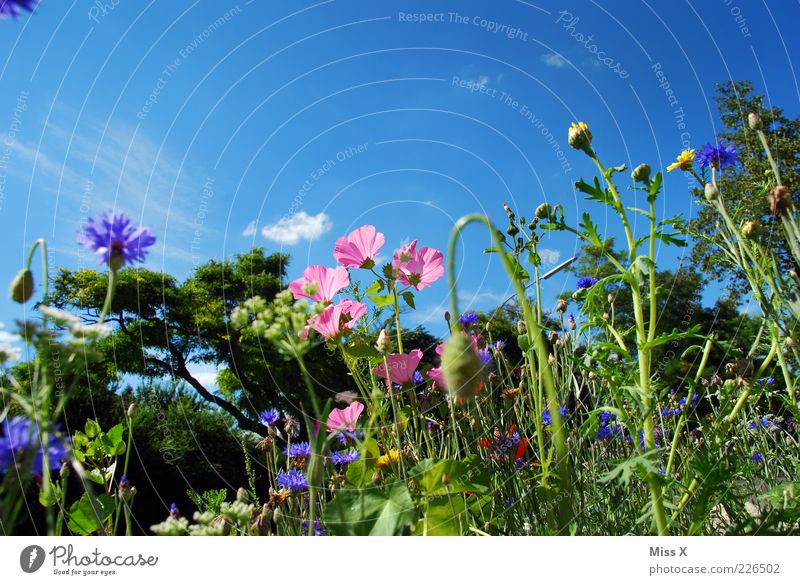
301	226
474	298
250	229
554	60
206	374
549	257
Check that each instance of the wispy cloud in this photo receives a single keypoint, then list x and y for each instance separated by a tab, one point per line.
554	60
301	226
473	299
250	230
549	257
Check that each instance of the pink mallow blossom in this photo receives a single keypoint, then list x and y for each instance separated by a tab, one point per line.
320	284
345	419
418	268
360	248
336	319
401	367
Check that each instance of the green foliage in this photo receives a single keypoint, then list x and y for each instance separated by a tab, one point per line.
374	511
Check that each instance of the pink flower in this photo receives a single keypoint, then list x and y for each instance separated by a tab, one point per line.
320	284
418	268
337	319
345	418
360	248
437	376
401	367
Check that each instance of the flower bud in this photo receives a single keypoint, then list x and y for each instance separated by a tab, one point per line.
711	192
132	409
780	200
750	229
22	286
561	306
552	337
447	316
462	367
242	496
521	327
789	342
754	121
384	343
445	478
551	359
580	138
544	211
512	230
641	174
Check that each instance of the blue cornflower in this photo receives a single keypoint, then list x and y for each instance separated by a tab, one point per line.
270	417
12	8
766	381
547	418
757	458
752	425
114	240
499	345
21	436
606	417
485	356
586	282
417	378
300	450
717	155
605	433
293	480
319	529
341	458
563	411
347	438
468	319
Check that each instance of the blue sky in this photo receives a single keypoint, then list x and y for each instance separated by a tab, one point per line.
224	125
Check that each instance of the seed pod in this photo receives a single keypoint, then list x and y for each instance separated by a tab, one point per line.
751	229
22	286
780	200
561	306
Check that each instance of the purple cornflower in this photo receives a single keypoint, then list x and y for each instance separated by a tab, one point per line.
605	433
485	356
757	458
300	450
115	240
346	438
563	411
547	418
499	345
270	417
717	155
12	8
319	529
417	378
766	381
21	436
342	458
586	282
293	480
468	319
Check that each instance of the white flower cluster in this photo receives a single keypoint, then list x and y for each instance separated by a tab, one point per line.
278	321
78	329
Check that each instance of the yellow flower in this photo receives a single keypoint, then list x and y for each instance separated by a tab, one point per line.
386	461
685	161
579	137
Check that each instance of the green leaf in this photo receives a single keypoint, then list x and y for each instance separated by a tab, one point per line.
442	517
357	474
360	350
382	300
655	186
382	511
375	287
524	343
640	466
590	231
408	297
468	475
674	335
83	520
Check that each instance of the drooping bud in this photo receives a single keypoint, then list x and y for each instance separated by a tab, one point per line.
641	174
384	343
754	121
780	200
447	316
711	192
580	138
751	229
22	286
462	367
132	409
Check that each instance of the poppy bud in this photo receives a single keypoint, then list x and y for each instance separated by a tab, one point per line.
641	174
462	367
132	409
755	122
779	200
22	286
384	343
711	192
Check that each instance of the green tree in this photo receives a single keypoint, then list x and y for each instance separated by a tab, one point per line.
742	186
163	327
